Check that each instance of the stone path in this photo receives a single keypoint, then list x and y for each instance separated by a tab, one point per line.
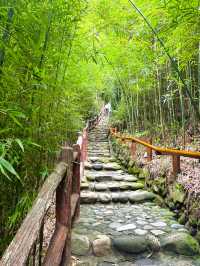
119	223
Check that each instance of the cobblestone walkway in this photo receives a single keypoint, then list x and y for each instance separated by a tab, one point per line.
119	223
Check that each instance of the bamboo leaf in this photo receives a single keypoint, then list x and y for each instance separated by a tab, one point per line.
19	142
6	165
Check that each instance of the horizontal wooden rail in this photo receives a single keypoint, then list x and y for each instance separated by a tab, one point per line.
159	150
63	185
175	153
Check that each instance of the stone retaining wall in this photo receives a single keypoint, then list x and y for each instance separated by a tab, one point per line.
185	205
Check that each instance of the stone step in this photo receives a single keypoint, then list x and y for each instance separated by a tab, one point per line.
103	166
98	151
105	138
112	186
94	142
97	146
91	197
100	176
98	138
101	159
99	135
100	155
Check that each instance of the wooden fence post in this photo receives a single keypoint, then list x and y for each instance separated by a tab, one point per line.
176	164
59	250
133	149
66	208
149	151
76	179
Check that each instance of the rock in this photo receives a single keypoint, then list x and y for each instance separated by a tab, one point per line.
100	187
94	159
135	186
134	244
124	185
88	165
103	176
180	243
102	246
159	224
112	166
80	245
130	178
176	226
105	197
113	186
118	177
90	177
114	225
141	222
88	197
157	232
120	197
140	196
140	232
97	166
126	227
84	185
88	261
130	185
148	227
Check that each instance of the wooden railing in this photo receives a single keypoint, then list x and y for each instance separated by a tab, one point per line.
62	187
175	153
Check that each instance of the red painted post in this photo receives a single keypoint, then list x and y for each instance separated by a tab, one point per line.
66	209
61	195
61	239
176	165
133	150
76	178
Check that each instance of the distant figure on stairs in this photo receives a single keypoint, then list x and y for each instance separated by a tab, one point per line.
107	108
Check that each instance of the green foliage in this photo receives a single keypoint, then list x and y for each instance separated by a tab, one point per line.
47	93
59	60
144	88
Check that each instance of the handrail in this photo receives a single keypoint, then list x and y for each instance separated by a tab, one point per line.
175	153
26	248
160	150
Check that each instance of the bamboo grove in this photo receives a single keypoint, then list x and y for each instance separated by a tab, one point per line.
59	60
148	92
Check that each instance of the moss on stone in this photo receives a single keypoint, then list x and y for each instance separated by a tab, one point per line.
134	170
144	173
177	194
182	219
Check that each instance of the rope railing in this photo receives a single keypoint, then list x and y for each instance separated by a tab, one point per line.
63	185
175	153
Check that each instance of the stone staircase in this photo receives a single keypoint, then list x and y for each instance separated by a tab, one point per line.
120	224
104	180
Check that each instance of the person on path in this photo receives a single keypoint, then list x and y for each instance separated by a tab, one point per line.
108	108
